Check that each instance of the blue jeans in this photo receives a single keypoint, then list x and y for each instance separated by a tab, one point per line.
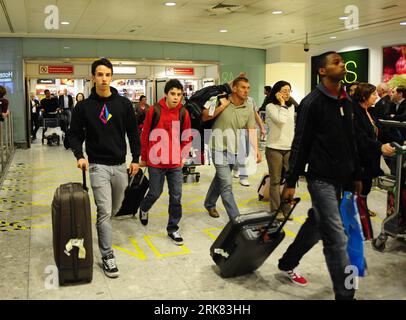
174	177
222	183
323	222
108	185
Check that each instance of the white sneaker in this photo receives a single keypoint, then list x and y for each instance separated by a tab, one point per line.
236	174
244	182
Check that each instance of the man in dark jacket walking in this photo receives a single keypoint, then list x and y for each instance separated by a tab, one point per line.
102	121
324	140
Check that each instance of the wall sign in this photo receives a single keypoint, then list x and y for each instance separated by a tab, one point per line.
170	71
6	76
55	69
356	64
46	81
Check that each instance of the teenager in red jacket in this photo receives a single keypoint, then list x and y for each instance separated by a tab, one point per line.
164	153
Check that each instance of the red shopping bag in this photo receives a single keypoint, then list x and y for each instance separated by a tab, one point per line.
364	217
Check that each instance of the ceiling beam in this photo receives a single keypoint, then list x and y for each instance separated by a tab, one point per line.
3	5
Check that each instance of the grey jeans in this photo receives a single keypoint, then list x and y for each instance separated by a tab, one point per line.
108	185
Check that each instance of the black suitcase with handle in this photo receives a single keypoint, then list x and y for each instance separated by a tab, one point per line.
247	241
72	233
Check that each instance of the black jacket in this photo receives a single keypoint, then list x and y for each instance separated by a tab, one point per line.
400	114
369	147
382	108
61	101
324	140
102	123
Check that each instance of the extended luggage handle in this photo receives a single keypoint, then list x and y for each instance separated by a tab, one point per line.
84	180
132	178
294	203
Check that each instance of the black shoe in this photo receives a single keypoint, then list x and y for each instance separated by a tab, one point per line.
109	266
176	238
144	217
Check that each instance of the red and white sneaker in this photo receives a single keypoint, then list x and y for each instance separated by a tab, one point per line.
296	278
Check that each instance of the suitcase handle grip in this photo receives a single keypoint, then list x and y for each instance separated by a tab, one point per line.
132	178
293	201
84	180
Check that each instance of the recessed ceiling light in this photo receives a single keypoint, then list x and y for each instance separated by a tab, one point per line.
223	30
333	37
65	22
343	18
277	12
403	23
66	48
170	4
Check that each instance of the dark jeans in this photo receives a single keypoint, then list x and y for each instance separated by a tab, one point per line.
323	222
174	177
34	125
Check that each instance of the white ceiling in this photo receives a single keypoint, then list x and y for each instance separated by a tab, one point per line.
253	25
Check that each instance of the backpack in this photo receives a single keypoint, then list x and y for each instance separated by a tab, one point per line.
157	115
195	104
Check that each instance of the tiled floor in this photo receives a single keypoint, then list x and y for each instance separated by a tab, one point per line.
151	266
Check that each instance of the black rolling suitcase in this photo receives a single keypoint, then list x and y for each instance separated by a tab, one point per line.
72	233
134	193
247	241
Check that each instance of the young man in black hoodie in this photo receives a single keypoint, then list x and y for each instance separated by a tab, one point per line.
324	140
102	121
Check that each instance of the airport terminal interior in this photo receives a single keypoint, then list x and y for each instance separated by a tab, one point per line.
201	43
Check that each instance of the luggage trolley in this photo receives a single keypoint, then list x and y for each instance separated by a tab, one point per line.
50	122
393	224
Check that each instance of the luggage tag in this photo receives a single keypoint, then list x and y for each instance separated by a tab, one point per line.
211	105
75	243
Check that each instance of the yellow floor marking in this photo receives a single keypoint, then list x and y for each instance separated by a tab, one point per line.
208	232
138	253
185	250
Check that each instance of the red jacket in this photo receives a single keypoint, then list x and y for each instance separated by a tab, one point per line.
162	148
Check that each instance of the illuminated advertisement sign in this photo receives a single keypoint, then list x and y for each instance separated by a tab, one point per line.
6	76
356	64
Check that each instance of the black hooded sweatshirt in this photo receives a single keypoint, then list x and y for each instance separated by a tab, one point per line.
324	140
102	123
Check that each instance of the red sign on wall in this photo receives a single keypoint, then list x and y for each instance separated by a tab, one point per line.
56	69
179	71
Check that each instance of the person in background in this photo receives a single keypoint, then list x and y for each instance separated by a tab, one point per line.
141	109
79	97
102	121
34	108
368	135
280	118
382	107
3	104
267	92
350	88
66	105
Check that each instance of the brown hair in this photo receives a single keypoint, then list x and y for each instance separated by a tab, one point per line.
363	92
3	91
237	80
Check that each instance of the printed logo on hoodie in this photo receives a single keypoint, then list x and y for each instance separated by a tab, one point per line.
105	115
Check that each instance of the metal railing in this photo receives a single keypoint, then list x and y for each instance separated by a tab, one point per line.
6	143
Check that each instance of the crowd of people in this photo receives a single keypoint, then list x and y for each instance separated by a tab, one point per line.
333	138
